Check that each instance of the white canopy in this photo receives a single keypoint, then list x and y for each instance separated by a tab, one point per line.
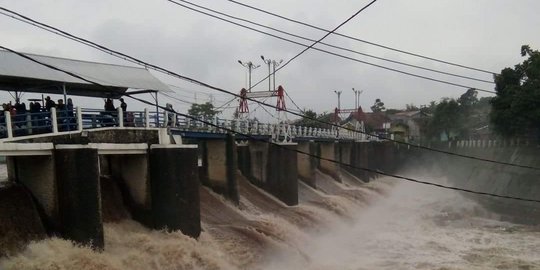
20	74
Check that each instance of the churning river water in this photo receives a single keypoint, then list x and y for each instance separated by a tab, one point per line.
384	224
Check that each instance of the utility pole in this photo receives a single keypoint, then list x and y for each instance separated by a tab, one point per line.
274	64
250	66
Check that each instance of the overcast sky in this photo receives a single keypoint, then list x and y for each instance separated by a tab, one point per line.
485	34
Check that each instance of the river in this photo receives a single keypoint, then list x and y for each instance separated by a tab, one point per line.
385	224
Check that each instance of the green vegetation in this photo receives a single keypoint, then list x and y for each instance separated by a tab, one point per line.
203	111
308	121
378	106
516	108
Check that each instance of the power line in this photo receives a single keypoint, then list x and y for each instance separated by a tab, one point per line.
363	41
334	46
330	53
282	146
294	103
226	103
197	82
124	57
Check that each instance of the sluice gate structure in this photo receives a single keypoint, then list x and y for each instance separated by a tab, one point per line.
67	180
69	170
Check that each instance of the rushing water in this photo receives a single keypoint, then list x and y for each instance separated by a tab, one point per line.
380	225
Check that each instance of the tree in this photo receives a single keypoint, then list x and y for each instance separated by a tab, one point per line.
516	108
411	107
203	111
307	119
446	118
378	106
468	99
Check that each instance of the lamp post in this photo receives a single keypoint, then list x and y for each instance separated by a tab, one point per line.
272	64
269	63
357	97
338	93
276	64
250	66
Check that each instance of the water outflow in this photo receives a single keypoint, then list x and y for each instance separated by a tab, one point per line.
379	225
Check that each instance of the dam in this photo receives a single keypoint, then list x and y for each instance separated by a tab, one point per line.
158	190
168	198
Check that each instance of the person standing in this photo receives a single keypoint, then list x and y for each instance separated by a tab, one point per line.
49	103
123	105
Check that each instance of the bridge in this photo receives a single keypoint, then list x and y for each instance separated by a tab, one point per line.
55	122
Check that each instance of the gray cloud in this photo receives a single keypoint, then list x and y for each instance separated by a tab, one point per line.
484	33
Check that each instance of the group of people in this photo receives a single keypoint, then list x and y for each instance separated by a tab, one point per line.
39	115
109	105
109	115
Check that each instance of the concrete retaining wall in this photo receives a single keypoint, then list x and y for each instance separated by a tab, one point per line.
493	178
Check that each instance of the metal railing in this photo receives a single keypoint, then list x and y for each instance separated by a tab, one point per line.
59	121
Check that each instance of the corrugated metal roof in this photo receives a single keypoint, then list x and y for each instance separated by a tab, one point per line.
18	73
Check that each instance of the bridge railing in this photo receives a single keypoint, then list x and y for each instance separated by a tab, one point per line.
57	121
278	131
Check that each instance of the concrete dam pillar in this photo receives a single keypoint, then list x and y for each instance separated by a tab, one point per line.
273	167
77	176
160	187
282	181
330	151
359	159
220	166
174	184
64	180
307	164
345	155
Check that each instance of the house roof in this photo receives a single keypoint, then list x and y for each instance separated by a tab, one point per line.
21	74
372	119
407	113
376	119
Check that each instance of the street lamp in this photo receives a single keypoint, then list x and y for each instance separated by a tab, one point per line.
357	97
269	63
274	64
338	93
250	66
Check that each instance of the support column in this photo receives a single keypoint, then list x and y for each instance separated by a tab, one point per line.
345	152
244	160
77	174
360	160
220	166
174	182
282	180
307	165
330	151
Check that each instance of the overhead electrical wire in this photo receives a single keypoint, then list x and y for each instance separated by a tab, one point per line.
122	56
327	52
409	179
332	46
363	41
197	82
